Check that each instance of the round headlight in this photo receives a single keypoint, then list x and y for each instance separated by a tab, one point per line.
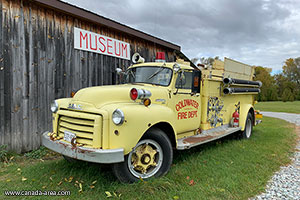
118	117
54	107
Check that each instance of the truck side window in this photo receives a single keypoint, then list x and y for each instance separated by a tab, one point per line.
185	81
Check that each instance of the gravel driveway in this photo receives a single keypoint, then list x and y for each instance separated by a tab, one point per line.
285	184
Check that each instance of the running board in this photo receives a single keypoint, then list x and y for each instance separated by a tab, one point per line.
214	134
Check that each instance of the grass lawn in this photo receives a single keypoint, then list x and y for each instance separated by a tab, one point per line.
226	169
279	106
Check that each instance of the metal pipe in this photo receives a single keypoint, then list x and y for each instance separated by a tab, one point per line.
228	81
240	90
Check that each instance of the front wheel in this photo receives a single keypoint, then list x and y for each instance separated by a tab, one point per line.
248	127
151	157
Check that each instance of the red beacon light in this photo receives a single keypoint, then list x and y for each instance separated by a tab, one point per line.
133	94
160	57
139	94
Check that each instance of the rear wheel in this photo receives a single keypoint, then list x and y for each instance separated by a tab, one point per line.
151	157
246	134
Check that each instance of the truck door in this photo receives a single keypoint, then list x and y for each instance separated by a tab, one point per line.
187	105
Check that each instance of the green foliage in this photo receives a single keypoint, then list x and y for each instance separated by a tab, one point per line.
291	70
37	154
287	95
268	89
3	153
284	86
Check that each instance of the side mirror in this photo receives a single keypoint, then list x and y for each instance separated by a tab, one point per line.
196	78
176	68
119	71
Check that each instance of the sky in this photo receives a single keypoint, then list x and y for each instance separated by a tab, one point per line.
256	32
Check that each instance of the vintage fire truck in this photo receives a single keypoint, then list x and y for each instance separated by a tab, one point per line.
161	107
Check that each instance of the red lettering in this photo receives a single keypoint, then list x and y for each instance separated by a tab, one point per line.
124	47
177	107
182	115
109	46
83	38
186	102
119	49
192	114
104	47
91	42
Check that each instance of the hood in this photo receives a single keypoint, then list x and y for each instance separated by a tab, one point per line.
103	95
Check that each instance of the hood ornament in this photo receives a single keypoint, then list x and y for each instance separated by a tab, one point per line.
75	106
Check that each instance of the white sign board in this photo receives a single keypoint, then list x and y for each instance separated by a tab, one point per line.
93	42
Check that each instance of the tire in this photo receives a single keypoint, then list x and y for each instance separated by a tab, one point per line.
246	134
151	157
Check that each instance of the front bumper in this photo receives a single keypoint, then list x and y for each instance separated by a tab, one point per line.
82	153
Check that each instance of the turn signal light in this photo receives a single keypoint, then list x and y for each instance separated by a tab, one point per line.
147	102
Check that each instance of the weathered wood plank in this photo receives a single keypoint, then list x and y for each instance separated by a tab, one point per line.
17	78
1	80
33	74
25	146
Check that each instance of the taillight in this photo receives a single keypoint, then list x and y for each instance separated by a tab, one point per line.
133	94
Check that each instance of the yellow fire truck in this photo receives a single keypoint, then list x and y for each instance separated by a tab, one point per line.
161	107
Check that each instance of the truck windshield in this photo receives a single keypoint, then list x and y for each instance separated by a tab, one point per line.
152	75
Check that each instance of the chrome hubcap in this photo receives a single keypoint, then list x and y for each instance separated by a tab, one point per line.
248	128
145	159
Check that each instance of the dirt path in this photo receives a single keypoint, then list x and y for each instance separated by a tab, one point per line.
285	184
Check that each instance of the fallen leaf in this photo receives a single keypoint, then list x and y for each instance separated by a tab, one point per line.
80	186
19	169
94	182
92	186
66	179
115	194
59	183
108	194
70	179
8	180
142	180
176	197
50	178
44	187
192	182
24	179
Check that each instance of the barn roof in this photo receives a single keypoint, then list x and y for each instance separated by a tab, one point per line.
98	19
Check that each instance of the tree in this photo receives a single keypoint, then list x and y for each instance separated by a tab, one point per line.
268	89
208	61
287	95
291	70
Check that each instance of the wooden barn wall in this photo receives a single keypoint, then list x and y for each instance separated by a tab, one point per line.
39	64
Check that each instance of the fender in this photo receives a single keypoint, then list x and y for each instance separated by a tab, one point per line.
138	119
244	110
